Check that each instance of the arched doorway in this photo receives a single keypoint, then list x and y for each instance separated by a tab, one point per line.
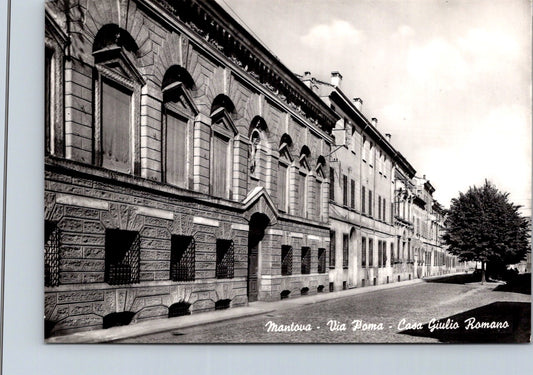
256	232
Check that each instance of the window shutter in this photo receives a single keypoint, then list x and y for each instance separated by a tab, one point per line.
220	165
116	108
176	151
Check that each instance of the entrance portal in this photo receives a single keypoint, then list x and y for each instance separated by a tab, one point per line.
258	224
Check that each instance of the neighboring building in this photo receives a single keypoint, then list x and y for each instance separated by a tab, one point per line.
383	228
186	168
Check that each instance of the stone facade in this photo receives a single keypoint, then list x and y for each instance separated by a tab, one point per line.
126	210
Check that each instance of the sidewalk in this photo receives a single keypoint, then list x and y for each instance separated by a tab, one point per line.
253	308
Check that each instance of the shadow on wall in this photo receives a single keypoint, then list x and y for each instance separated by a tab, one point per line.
498	322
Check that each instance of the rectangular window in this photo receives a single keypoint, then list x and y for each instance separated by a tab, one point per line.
370	202
344	190
370	252
182	258
379	207
384	213
380	254
331	184
345	250
318	207
52	238
384	254
220	166
301	195
176	150
321	260
122	257
225	259
48	101
116	123
392	213
286	260
352	194
332	249
363	252
306	260
282	187
363	200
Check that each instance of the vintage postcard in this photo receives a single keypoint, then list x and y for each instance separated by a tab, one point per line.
258	171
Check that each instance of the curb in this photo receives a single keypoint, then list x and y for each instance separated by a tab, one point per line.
253	309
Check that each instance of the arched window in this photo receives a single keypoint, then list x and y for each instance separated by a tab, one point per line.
301	185
117	100
223	131
178	114
285	161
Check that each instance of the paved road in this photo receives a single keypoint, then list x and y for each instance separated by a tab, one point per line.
386	311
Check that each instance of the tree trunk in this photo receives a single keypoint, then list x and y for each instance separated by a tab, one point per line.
482	272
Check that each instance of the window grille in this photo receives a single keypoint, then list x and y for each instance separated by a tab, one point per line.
306	260
321	260
225	259
182	257
51	253
122	257
286	260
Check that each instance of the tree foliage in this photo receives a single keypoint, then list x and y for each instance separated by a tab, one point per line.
482	225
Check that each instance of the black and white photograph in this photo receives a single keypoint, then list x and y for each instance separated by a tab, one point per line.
286	172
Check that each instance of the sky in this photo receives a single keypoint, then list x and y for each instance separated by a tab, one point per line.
450	80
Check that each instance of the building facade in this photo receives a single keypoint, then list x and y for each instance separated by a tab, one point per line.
185	166
187	169
384	225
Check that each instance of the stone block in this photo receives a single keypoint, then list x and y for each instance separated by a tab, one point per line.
80	296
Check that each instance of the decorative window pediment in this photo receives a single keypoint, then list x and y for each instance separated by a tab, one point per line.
178	94
114	61
222	122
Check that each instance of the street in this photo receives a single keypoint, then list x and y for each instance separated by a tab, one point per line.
455	312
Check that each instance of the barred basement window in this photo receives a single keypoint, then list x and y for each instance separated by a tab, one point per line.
286	260
321	260
306	260
182	257
52	243
122	257
345	250
225	259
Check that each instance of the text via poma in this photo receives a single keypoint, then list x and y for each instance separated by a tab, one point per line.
356	325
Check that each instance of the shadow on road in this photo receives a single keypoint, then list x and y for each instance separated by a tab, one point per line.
498	322
456	279
519	284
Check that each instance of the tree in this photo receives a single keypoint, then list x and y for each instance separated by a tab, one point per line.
483	226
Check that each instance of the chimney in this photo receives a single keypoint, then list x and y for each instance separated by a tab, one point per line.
424	177
375	122
336	79
358	102
388	136
307	79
